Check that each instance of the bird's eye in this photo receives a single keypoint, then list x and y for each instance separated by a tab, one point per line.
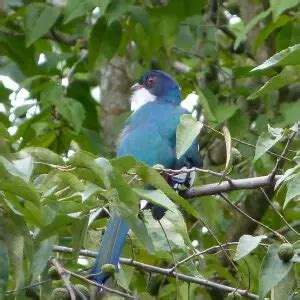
151	80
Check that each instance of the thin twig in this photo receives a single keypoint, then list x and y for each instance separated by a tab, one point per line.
278	212
285	229
221	247
253	220
64	276
157	270
112	291
29	286
173	257
210	250
245	143
284	151
194	169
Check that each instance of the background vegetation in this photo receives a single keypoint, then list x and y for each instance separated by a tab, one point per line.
73	63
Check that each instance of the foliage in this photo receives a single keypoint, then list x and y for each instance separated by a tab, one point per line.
58	176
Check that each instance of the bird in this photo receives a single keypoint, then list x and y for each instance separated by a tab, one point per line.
149	135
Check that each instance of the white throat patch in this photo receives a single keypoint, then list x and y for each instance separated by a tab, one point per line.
141	97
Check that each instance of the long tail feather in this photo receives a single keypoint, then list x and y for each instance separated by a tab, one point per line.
111	246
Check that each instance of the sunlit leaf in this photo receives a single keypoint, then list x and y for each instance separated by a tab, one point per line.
247	243
289	56
265	142
288	76
278	7
187	130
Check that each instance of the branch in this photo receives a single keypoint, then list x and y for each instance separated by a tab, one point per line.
253	220
166	272
64	276
225	186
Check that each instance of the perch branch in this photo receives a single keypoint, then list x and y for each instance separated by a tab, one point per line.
166	272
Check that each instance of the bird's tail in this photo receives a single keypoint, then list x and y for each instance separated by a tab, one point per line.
111	247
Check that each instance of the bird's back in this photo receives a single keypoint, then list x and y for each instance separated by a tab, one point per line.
150	134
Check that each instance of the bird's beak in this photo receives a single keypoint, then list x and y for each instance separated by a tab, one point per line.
136	87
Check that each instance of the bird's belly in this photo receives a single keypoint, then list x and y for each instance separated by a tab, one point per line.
146	145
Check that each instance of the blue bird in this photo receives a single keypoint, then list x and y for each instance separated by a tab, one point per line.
149	135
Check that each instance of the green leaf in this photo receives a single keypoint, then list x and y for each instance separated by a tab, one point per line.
289	56
42	253
79	230
39	18
92	169
140	230
287	76
264	34
293	189
272	271
265	142
285	287
242	35
75	9
247	243
141	15
51	229
21	110
4	263
207	99
104	40
152	177
25	167
129	213
156	197
72	111
187	130
43	155
175	229
11	181
278	7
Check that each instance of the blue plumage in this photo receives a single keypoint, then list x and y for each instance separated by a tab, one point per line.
150	136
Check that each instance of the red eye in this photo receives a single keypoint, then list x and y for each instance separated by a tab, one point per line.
151	80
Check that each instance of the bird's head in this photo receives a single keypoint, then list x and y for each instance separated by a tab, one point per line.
155	86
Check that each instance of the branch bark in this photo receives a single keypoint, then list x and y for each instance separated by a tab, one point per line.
227	186
166	272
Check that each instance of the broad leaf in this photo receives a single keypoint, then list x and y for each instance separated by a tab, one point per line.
287	76
289	56
278	7
104	40
75	9
293	189
272	271
11	181
42	253
187	130
39	18
79	230
285	287
247	243
265	142
156	197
